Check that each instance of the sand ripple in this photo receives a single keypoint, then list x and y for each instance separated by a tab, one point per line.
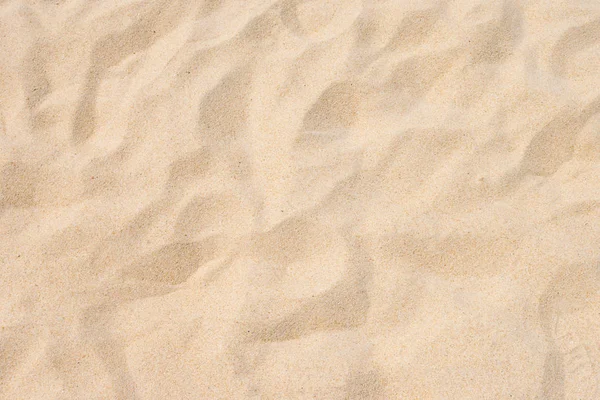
299	199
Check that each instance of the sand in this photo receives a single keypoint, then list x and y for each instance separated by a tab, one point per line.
294	199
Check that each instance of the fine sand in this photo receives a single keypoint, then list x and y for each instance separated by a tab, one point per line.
295	199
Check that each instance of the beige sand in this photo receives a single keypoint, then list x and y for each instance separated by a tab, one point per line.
327	199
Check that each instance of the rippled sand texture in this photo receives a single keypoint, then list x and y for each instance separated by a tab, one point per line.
333	199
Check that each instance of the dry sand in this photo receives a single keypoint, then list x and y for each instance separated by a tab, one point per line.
334	199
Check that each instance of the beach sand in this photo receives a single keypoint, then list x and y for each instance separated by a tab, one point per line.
295	199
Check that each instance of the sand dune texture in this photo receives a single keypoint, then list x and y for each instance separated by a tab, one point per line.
295	199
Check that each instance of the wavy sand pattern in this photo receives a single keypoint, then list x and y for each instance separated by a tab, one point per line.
300	199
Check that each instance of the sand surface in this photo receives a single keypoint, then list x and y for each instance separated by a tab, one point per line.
295	199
